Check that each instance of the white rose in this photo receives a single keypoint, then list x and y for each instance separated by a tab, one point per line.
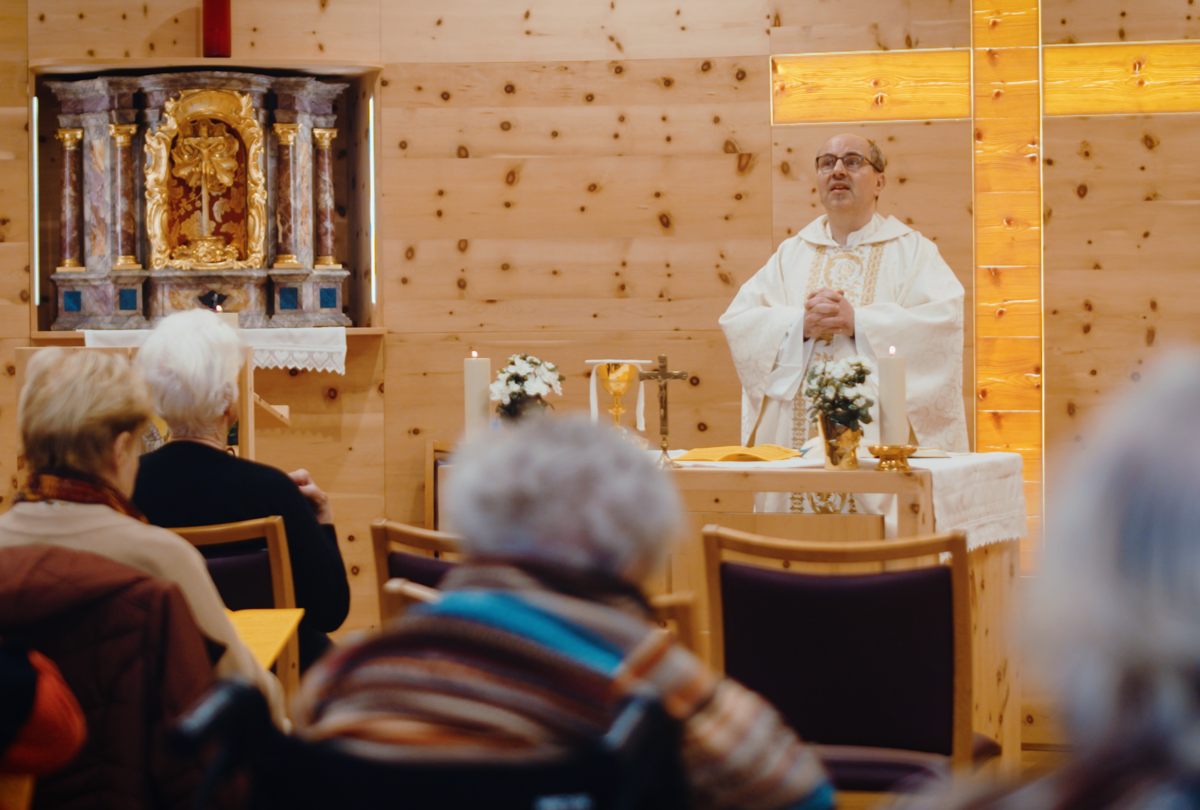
537	388
499	391
829	393
522	367
860	402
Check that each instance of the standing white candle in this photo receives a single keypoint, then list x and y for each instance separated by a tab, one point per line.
477	376
893	406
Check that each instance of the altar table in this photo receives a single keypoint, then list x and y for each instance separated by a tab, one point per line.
980	494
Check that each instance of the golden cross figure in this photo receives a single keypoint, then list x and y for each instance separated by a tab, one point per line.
662	377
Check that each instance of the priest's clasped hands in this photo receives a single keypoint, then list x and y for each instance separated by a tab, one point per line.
827	313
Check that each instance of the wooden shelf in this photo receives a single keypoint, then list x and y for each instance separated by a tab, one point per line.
76	337
338	67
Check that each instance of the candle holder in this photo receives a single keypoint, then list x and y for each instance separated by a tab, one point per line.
892	457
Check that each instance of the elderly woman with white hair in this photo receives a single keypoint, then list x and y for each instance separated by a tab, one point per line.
191	362
543	628
81	416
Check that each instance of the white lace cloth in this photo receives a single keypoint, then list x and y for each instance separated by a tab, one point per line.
312	349
982	494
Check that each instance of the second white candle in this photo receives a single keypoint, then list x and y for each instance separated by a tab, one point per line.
893	404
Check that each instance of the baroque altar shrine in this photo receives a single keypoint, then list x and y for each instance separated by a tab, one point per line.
204	189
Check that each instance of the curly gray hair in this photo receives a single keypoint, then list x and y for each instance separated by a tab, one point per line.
566	491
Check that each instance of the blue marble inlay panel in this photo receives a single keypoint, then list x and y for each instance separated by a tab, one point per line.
72	301
289	297
127	300
328	298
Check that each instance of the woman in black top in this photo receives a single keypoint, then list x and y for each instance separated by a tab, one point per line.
192	362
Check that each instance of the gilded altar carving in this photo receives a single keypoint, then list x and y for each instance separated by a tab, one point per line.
206	194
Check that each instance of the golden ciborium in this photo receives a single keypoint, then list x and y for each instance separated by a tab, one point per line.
618	380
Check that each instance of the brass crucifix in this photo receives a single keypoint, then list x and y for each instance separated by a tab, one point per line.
662	377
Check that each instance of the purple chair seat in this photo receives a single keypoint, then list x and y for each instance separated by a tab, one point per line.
418	568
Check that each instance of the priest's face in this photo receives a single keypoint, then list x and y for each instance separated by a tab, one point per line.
845	192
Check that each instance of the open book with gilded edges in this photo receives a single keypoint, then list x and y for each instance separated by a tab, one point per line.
761	452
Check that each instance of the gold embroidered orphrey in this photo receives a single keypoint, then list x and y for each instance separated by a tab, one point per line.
837	269
205	156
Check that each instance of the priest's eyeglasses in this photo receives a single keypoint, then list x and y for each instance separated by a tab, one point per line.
852	161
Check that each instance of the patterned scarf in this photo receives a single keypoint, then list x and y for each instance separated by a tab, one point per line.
76	487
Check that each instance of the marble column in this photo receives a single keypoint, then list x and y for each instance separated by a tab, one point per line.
285	253
72	198
122	135
324	170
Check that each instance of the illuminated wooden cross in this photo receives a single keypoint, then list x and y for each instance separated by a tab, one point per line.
662	377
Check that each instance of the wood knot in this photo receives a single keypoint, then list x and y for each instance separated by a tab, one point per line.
463	244
331	393
510	88
879	99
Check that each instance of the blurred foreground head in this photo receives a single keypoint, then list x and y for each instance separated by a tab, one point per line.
1116	608
565	491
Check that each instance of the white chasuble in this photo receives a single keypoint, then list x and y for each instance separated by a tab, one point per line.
904	295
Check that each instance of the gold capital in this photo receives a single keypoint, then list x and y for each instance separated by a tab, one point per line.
70	137
323	136
122	133
287	133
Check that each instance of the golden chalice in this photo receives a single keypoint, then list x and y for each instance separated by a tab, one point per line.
618	380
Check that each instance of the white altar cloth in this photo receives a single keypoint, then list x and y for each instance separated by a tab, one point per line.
981	494
312	349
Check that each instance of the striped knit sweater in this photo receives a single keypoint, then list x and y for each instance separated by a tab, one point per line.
505	666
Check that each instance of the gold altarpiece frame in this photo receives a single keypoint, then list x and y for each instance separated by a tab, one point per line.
195	146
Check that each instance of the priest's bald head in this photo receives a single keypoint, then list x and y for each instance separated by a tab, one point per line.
849	179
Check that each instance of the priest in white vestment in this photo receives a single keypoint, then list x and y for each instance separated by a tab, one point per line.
851	282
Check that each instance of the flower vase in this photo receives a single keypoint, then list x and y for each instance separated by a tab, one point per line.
522	408
840	443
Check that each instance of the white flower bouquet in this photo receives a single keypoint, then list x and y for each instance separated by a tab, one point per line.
523	384
836	391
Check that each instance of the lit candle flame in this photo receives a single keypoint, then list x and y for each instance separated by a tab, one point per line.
218	308
474	354
892	351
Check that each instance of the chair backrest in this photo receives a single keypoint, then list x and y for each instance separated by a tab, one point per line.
411	553
634	765
878	659
246	577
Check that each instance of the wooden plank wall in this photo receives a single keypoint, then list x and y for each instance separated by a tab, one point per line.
15	205
598	177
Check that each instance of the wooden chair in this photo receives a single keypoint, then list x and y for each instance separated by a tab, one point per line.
409	553
874	667
242	578
408	573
